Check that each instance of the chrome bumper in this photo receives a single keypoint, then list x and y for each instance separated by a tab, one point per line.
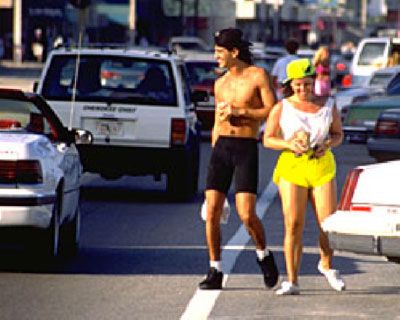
365	244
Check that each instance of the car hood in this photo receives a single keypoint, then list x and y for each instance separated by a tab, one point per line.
15	146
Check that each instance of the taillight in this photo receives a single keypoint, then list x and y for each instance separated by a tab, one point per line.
386	127
347	80
110	75
178	132
361	208
9	124
343	113
341	66
20	171
348	189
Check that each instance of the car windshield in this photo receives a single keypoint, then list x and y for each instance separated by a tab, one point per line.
372	54
18	115
111	78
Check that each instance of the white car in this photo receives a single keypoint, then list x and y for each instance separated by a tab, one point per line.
40	173
376	84
187	45
139	106
368	217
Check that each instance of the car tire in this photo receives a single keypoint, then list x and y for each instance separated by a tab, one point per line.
182	180
70	235
50	240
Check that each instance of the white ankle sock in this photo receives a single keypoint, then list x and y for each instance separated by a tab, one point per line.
216	265
261	254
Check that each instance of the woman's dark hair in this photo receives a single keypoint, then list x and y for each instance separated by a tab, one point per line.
232	38
287	90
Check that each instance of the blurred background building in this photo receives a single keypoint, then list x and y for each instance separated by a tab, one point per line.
312	22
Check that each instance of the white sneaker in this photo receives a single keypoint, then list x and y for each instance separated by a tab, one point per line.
288	288
333	277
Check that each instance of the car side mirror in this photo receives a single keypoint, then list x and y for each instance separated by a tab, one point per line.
80	136
200	96
35	86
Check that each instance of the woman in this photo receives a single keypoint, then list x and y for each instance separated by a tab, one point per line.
321	64
305	127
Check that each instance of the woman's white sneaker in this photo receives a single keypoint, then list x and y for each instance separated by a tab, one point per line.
333	277
288	288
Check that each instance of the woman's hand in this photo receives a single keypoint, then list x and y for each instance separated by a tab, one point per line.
297	145
320	149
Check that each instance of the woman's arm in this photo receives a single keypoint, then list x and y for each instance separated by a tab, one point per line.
335	134
272	135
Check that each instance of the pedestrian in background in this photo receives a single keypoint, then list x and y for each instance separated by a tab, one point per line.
321	64
305	127
279	69
243	96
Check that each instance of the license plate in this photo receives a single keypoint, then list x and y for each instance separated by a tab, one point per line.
108	128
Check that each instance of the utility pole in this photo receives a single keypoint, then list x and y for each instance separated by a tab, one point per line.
132	21
275	35
17	31
363	14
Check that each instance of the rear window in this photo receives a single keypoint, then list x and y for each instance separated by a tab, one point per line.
111	78
372	54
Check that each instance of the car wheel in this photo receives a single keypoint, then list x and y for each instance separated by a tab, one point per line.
70	234
182	180
394	259
49	244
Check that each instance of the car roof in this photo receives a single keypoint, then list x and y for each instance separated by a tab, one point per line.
142	52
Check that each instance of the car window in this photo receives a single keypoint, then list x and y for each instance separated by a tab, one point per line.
394	86
380	79
372	54
115	78
23	116
185	84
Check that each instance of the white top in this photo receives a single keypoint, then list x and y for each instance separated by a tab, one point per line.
279	69
316	124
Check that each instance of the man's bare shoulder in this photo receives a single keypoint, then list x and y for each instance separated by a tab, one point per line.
221	79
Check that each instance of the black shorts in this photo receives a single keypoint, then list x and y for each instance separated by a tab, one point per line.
233	157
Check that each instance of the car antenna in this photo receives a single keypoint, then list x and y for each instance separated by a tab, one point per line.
78	58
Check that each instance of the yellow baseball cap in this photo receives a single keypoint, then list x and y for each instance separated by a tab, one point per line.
298	69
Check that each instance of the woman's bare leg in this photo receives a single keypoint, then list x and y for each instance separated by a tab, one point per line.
324	201
294	204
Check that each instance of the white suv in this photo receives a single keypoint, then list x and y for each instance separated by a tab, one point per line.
139	107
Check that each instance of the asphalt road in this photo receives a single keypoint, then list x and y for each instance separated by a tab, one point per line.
142	257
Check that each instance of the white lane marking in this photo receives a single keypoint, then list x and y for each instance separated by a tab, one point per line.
203	301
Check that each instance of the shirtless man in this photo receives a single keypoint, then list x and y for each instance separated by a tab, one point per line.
243	96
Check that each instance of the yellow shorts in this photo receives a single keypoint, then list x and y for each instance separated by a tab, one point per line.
303	171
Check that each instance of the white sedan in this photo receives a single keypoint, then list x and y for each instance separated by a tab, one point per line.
368	217
40	172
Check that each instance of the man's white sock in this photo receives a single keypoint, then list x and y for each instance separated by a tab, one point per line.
216	265
261	254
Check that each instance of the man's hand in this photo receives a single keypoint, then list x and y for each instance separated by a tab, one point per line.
223	111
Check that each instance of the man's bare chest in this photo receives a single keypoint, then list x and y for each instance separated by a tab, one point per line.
237	91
